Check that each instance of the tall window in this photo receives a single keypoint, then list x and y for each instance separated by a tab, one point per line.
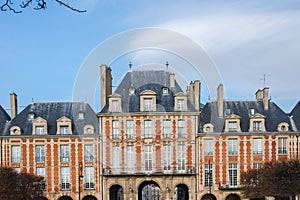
232	146
39	130
208	179
282	143
208	147
232	175
148	104
181	128
39	153
167	128
181	157
40	171
232	126
115	129
148	129
115	106
130	158
129	129
257	146
167	157
180	104
64	153
89	178
256	125
88	153
64	130
15	154
65	178
148	157
257	165
116	159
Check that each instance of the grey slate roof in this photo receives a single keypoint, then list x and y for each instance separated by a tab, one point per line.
4	118
142	80
51	112
295	116
274	115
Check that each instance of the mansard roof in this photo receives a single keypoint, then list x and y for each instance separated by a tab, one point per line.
295	117
4	118
139	81
51	112
273	116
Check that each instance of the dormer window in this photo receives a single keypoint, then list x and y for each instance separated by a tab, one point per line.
15	130
148	100
208	128
165	91
80	115
257	122
64	126
88	129
39	126
115	103
283	127
232	123
30	116
180	102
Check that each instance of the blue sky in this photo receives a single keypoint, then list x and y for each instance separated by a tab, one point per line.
42	51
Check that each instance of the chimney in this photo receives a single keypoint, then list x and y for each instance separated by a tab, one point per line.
259	94
220	97
265	92
13	105
190	92
105	84
172	80
197	89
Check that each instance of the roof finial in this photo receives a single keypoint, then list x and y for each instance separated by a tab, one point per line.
130	65
167	65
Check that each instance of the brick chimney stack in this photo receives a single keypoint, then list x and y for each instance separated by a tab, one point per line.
220	99
105	84
13	105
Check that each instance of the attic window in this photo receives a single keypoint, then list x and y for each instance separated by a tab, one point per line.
165	90
208	128
88	129
80	115
30	116
15	130
131	91
228	111
283	126
252	111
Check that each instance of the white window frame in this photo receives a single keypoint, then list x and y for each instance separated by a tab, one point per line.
232	146
257	125
130	129
167	125
148	104
208	175
181	132
89	177
115	105
148	129
40	130
64	130
167	156
233	174
282	145
232	126
115	129
64	153
181	157
65	178
88	153
208	146
116	159
148	159
39	153
130	158
16	154
257	148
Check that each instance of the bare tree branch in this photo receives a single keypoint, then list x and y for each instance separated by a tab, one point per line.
8	5
41	4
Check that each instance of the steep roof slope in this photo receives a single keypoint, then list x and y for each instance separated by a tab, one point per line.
52	111
4	118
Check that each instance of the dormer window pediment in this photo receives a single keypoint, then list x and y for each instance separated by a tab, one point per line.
115	103
64	126
257	123
232	123
180	103
39	126
148	100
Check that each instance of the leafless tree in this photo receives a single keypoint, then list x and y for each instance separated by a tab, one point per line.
8	5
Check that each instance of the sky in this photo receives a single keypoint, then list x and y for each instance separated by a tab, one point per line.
42	52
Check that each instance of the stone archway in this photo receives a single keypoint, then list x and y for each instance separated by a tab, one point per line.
208	197
149	190
65	198
233	197
181	192
116	193
89	197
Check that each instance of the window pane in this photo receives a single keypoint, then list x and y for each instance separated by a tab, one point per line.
208	175
88	153
65	178
15	154
148	104
208	147
116	159
130	158
147	129
232	126
232	146
115	129
282	145
232	174
64	153
89	177
257	126
115	106
148	157
64	130
181	129
180	104
257	146
39	130
167	157
181	157
39	153
167	128
129	129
